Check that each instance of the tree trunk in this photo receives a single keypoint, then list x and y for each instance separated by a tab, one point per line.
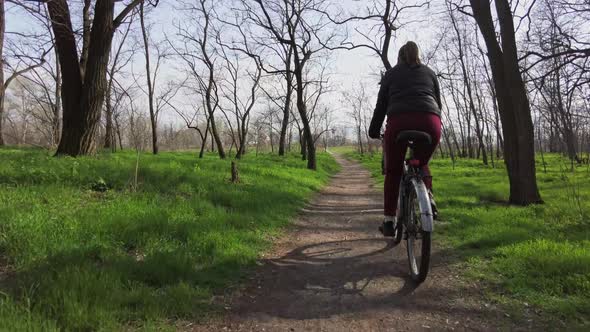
360	139
513	104
57	106
84	81
82	99
215	138
109	136
567	132
302	145
204	141
290	137
235	177
2	88
311	154
490	83
286	113
309	141
148	75
287	107
272	145
119	136
86	28
242	147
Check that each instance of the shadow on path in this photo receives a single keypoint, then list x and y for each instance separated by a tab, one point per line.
335	272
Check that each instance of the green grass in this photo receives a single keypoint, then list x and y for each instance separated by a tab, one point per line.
538	255
86	250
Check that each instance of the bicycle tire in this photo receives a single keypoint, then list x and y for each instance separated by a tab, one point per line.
399	232
418	271
399	228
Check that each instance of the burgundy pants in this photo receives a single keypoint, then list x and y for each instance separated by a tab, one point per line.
395	153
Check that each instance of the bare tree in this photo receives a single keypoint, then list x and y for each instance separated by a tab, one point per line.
282	51
191	119
120	60
38	85
240	107
573	45
151	80
302	27
198	49
559	79
380	20
24	64
357	103
467	83
513	104
84	75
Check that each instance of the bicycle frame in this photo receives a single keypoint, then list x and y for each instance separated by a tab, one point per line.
415	231
412	177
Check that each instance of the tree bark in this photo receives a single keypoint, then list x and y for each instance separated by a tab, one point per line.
57	106
204	141
302	145
86	28
235	177
290	137
513	104
65	43
83	93
210	105
285	122
119	136
308	141
2	89
301	54
109	134
287	107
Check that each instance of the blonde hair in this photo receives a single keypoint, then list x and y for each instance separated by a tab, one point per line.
409	54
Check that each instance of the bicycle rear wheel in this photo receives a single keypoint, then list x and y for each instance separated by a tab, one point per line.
399	232
418	241
399	227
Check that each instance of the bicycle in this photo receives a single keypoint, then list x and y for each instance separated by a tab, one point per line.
415	219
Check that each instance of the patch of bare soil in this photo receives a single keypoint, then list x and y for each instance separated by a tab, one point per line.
335	272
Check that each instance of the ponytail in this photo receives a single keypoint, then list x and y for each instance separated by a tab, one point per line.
409	54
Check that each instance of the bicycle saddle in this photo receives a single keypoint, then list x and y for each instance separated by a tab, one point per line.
417	137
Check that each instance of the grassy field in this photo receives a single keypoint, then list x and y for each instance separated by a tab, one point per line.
82	247
537	256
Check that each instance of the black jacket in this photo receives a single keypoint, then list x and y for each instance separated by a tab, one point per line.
406	89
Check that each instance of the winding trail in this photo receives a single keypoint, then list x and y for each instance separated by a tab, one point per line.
335	272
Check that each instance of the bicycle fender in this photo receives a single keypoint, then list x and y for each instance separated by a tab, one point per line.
424	203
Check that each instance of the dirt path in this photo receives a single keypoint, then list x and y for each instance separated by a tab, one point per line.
334	272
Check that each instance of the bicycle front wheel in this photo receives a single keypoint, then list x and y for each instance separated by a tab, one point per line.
418	240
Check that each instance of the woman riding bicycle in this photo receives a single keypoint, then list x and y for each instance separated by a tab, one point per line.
410	97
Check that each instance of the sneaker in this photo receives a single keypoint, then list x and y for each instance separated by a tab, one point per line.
387	228
433	206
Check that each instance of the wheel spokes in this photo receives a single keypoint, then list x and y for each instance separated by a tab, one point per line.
414	236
